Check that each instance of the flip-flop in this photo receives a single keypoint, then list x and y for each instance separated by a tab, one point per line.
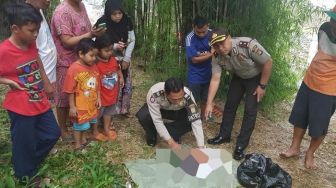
112	135
100	137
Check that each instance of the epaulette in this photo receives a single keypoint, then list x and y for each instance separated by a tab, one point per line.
244	44
158	94
187	96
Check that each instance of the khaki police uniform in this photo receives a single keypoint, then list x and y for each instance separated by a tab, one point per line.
170	120
245	62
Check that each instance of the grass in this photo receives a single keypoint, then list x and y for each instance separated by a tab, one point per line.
67	168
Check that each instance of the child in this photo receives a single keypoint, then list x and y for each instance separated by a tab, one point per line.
34	130
120	29
110	78
81	85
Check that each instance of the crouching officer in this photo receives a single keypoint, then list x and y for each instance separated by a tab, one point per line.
170	111
251	67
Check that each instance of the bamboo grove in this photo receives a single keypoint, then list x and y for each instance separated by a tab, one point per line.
161	26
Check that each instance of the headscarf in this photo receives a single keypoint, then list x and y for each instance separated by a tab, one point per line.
116	31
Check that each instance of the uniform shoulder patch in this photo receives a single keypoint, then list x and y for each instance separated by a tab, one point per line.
257	50
187	97
158	93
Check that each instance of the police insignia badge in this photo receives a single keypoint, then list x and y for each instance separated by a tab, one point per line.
244	44
193	113
152	99
241	57
235	51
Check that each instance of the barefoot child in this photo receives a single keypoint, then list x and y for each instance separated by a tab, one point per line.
82	86
110	79
34	130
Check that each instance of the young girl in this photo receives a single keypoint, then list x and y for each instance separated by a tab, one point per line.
110	79
120	30
82	86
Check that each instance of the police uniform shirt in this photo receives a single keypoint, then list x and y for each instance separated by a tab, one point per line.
245	60
156	100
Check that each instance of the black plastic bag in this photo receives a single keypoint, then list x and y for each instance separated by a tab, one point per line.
258	171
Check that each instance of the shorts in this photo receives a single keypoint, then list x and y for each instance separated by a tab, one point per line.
312	110
108	110
83	126
199	91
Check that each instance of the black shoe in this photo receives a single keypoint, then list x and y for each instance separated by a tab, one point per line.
218	140
151	140
238	153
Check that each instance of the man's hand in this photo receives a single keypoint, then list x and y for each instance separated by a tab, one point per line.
260	93
173	145
208	111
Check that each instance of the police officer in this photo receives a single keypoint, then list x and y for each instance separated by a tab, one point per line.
170	111
251	67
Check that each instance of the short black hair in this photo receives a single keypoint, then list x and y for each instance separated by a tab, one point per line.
21	13
85	45
200	21
173	84
102	41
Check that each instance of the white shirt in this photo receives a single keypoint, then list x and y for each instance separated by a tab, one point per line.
47	50
156	100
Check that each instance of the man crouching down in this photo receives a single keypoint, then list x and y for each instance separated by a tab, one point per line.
171	111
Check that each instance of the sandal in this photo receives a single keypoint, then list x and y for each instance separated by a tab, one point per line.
100	137
112	135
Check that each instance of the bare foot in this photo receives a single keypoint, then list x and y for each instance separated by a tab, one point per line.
290	153
309	162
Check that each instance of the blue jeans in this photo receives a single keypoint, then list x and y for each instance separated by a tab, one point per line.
32	139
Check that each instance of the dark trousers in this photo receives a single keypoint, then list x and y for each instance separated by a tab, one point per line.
238	87
178	127
32	139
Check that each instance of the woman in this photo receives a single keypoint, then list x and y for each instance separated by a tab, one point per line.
120	30
70	23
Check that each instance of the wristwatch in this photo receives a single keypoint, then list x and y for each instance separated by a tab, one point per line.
262	86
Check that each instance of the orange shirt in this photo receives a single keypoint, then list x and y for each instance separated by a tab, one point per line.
109	81
83	81
321	74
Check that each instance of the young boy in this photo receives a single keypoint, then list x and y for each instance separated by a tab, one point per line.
82	85
110	78
34	130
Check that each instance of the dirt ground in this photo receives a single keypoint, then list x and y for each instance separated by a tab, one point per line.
269	138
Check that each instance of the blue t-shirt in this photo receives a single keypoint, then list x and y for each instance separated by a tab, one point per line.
198	72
